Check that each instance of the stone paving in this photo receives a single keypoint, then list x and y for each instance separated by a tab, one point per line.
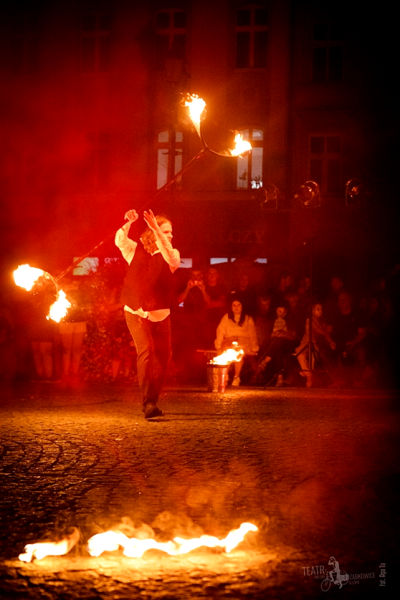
316	470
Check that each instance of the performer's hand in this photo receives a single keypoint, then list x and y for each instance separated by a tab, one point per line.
333	346
150	220
131	216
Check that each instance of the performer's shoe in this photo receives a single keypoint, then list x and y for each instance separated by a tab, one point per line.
151	410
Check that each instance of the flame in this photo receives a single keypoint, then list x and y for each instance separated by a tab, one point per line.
230	355
26	276
42	549
241	146
59	308
135	548
196	107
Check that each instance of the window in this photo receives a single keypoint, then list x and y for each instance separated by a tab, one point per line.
169	156
24	44
325	163
170	36
251	37
97	165
250	167
327	58
96	43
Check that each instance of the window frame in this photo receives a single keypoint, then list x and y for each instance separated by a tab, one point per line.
249	158
329	160
329	45
252	29
171	32
97	36
172	147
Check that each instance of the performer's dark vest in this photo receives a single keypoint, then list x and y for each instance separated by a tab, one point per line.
148	283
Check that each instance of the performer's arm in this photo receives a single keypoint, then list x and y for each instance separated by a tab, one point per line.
125	244
171	255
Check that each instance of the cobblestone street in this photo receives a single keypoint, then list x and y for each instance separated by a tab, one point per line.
316	470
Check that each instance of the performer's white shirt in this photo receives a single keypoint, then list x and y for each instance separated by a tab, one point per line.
171	256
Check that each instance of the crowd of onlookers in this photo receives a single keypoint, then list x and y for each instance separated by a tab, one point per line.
291	332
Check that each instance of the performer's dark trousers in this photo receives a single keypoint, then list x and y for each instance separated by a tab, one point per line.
153	347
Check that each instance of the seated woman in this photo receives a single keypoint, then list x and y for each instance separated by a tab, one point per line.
237	326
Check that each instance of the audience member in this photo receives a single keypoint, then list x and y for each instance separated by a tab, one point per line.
296	316
320	334
190	328
215	298
72	330
41	334
282	338
264	320
246	294
348	331
285	286
331	302
237	326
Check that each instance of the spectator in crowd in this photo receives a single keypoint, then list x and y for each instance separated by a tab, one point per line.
376	324
285	286
282	338
246	294
215	298
296	316
331	302
304	292
8	357
237	326
41	334
191	328
72	330
320	337
264	320
348	331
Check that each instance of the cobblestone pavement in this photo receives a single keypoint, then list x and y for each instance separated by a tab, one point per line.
316	470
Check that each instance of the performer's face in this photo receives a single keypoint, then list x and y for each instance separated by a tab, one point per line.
166	228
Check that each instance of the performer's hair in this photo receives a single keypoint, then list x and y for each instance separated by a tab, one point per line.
148	238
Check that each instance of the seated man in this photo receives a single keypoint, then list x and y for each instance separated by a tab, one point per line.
348	330
282	338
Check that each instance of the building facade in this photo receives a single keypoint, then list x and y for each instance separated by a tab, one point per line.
92	124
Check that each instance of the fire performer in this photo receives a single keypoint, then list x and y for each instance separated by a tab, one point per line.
147	295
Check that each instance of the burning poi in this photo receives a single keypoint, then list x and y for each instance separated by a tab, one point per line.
26	277
197	108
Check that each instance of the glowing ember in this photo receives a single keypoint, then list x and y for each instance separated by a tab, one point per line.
26	276
230	355
59	309
196	107
241	146
42	549
135	548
